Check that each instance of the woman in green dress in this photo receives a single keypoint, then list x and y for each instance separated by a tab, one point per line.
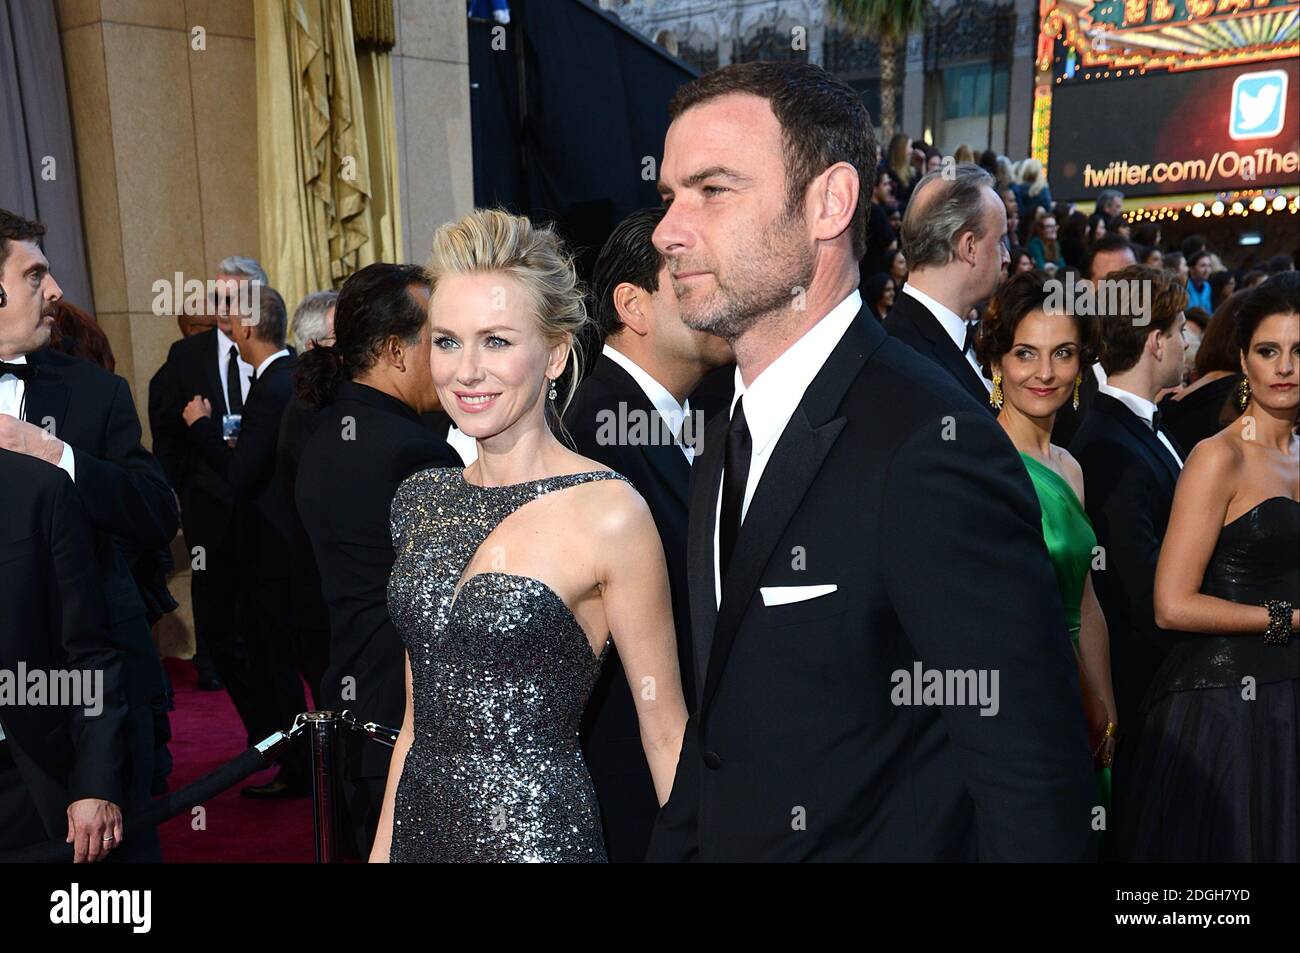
1035	357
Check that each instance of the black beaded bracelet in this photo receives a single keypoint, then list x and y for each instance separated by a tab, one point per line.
1279	622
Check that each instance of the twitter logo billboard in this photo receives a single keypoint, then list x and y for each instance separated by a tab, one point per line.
1258	105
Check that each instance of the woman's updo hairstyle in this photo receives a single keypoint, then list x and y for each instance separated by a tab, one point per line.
494	241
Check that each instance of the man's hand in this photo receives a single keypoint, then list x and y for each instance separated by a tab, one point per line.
95	828
22	437
196	408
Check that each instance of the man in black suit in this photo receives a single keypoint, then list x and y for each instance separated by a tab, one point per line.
265	527
1130	468
312	327
954	239
859	528
631	413
1108	254
372	386
60	763
208	364
79	417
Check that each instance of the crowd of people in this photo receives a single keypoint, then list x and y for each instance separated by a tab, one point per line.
812	527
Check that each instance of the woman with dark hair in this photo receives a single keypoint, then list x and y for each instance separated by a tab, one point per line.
878	292
1176	262
1206	406
1151	256
1019	261
1097	226
1147	233
1215	772
1035	356
1074	239
1119	225
1198	280
77	333
1222	286
1198	319
897	267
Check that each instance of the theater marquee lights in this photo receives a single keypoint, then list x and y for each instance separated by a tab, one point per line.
1151	82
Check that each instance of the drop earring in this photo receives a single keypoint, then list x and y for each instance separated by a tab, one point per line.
551	395
1077	381
1243	393
995	398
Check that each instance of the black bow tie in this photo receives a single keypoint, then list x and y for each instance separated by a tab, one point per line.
24	372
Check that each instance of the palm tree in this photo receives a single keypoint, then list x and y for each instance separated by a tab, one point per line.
888	22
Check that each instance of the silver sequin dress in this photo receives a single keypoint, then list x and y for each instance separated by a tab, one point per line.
501	673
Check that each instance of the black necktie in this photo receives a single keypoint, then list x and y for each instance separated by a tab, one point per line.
735	474
1155	422
234	390
24	372
971	328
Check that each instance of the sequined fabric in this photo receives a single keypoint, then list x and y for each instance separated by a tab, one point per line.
500	673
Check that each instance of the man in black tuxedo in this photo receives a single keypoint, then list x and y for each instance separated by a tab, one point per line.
1130	468
265	527
1108	254
630	413
61	764
79	417
372	386
859	527
954	239
208	364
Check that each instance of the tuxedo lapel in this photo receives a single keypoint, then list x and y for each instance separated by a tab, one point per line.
45	398
210	365
706	477
666	459
943	350
1156	452
796	460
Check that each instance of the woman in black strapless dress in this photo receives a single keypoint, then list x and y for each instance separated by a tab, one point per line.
1213	771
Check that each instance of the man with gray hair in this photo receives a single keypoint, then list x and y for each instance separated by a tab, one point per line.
954	240
313	322
1110	202
208	364
265	526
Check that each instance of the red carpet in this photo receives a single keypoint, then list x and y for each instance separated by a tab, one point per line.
206	733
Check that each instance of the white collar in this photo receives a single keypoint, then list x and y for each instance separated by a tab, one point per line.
283	352
1145	409
672	412
953	323
20	359
776	392
224	344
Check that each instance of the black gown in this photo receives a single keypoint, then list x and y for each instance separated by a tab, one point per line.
1213	773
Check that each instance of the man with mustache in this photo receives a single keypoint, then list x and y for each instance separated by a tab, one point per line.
77	416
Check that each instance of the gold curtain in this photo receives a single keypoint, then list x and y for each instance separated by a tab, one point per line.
327	155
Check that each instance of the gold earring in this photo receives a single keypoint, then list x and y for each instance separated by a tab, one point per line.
995	398
1077	381
1243	393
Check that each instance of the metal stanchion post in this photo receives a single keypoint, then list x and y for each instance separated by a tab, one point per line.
323	738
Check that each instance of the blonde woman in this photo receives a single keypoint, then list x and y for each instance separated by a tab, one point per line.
1032	192
514	576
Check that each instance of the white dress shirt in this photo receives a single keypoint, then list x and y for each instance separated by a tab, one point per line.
283	352
224	344
673	413
953	325
1145	411
12	391
771	400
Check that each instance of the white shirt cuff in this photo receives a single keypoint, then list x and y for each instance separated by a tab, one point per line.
68	461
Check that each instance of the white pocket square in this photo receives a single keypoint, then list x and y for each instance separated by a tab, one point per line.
784	595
